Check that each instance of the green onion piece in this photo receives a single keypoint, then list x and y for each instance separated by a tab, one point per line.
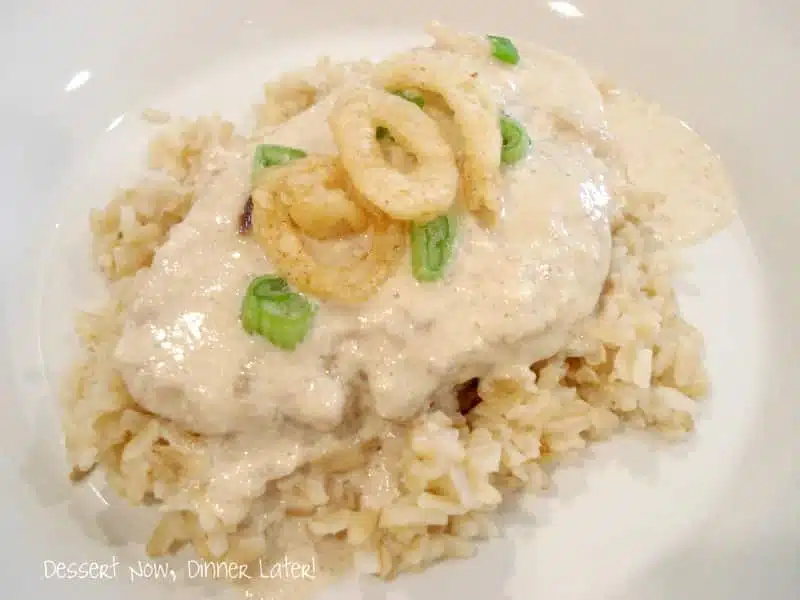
273	311
503	49
516	141
270	155
432	247
411	96
382	132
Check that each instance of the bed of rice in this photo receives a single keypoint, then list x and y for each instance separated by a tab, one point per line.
635	362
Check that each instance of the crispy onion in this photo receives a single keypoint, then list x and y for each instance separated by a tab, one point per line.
361	192
280	189
428	189
314	190
451	78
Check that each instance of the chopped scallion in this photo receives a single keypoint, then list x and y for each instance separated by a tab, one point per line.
516	141
503	49
411	96
278	314
270	155
432	246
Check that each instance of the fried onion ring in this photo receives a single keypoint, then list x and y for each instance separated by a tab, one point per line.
474	111
282	239
317	200
428	189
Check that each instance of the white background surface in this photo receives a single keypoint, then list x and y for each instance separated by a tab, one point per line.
716	518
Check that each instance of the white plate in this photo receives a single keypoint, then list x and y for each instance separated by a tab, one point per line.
714	518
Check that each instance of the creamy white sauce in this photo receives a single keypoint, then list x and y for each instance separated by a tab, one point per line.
666	164
509	298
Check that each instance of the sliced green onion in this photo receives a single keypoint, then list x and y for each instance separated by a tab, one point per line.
382	132
411	96
516	141
273	311
504	49
432	247
270	155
